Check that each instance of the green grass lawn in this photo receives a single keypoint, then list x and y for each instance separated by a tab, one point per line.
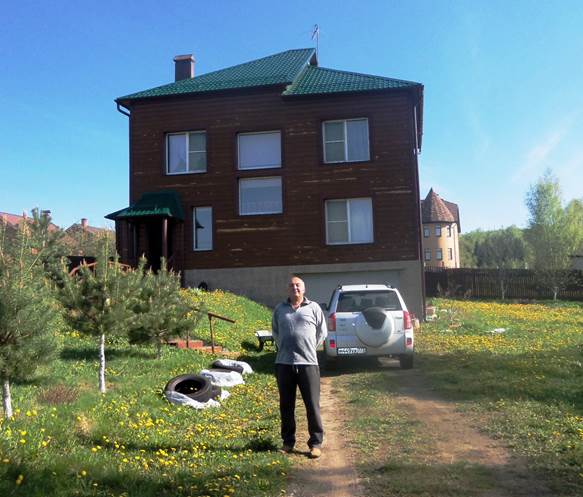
68	440
523	385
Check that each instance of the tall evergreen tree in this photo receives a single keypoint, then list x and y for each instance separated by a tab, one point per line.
29	313
98	300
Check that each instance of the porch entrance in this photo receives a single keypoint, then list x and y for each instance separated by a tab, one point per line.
151	228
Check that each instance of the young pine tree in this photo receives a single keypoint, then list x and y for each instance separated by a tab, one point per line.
29	313
98	300
160	311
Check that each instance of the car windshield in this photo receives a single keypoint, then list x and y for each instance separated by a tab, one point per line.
358	301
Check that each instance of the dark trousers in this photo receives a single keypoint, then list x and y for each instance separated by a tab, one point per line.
307	378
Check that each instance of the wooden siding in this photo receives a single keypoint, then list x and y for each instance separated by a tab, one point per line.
298	235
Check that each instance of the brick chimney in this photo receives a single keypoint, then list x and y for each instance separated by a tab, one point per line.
84	222
183	67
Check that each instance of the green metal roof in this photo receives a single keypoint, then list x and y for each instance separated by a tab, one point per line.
319	80
281	68
298	69
160	204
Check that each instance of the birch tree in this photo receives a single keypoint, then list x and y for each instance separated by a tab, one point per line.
98	301
554	233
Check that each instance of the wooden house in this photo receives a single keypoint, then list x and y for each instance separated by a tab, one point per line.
243	176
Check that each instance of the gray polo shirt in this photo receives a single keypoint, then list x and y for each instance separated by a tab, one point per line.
298	332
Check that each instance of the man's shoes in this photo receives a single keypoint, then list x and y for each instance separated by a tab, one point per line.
315	452
286	449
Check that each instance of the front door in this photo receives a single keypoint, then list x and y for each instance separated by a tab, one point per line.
154	243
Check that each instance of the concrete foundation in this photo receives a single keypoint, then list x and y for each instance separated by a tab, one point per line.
268	285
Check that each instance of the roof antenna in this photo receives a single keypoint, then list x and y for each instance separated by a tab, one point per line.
316	34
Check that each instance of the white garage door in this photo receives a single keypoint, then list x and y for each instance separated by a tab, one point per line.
319	286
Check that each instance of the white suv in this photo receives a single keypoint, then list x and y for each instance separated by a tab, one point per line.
369	320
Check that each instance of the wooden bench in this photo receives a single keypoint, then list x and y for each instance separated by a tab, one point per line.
263	336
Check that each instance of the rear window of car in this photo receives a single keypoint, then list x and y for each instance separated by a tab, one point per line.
358	301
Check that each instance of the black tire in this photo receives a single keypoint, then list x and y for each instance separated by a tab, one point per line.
406	361
235	367
194	386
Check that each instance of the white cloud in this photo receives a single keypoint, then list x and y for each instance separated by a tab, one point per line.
537	157
542	155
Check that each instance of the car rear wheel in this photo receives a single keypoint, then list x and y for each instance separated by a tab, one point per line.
406	361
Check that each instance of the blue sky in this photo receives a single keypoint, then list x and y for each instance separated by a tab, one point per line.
503	98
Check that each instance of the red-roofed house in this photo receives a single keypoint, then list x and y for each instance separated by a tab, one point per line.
441	228
12	221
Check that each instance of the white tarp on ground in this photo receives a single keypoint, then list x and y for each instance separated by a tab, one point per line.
223	379
184	400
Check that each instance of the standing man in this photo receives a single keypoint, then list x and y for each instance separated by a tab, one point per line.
298	328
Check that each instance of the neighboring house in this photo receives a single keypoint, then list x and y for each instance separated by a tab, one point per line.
441	228
11	221
243	176
83	239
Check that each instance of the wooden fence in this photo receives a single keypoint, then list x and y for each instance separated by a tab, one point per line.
486	283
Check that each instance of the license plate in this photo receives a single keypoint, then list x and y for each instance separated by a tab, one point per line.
351	350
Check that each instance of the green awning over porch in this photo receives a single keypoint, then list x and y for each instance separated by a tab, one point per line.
152	204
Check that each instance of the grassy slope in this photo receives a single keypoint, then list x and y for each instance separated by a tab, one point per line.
524	385
249	317
66	439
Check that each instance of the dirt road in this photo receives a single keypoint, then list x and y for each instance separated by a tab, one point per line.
334	474
456	441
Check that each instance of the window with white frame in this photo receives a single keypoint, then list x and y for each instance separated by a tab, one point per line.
426	231
346	140
260	196
349	221
186	152
427	254
202	228
439	254
437	230
259	150
450	254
